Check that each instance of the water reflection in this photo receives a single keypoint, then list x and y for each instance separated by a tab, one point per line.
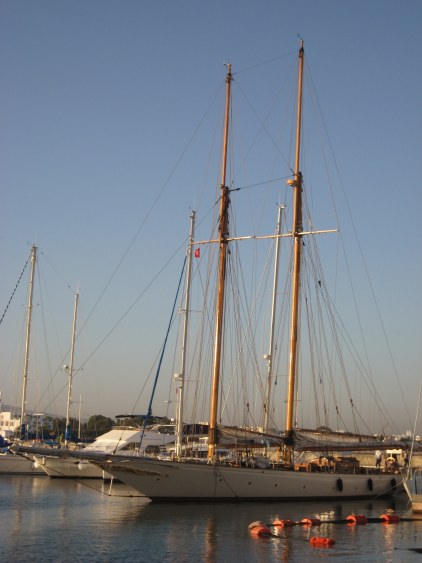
210	541
71	518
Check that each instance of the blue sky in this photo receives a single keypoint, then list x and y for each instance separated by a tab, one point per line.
99	102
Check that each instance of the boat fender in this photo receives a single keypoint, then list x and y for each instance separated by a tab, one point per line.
311	521
393	484
390	518
283	523
370	485
322	541
339	485
356	519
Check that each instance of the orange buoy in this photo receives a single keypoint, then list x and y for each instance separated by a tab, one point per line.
356	519
255	524
311	521
259	529
316	540
390	518
260	532
283	523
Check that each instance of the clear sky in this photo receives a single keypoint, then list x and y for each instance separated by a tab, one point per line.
99	101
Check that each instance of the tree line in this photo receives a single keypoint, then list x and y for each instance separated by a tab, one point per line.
53	428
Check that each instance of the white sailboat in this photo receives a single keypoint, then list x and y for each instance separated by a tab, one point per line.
243	464
413	488
413	482
119	439
9	462
123	440
151	440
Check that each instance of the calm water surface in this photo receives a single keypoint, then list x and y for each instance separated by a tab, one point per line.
50	520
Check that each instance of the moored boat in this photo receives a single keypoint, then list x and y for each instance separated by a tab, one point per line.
244	463
9	462
119	439
12	464
413	488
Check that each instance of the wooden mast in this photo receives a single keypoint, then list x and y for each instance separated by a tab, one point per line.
27	342
222	241
297	229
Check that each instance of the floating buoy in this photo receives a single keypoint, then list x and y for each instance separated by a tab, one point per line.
259	529
322	541
390	518
283	523
357	519
339	485
255	524
311	521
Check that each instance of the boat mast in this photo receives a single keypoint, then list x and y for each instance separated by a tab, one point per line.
297	228
67	433
79	418
270	355
181	376
222	242
27	341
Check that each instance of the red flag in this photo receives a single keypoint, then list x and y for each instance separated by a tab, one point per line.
197	252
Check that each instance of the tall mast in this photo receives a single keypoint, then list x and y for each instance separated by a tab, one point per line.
79	418
269	357
27	341
181	375
222	241
67	433
297	228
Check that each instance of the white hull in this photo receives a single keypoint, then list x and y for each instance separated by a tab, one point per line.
69	468
17	465
411	486
416	503
162	480
117	439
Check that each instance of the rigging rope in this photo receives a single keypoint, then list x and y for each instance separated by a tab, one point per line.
265	62
259	184
14	291
150	210
149	411
359	246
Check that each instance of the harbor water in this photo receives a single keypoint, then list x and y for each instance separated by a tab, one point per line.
52	520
